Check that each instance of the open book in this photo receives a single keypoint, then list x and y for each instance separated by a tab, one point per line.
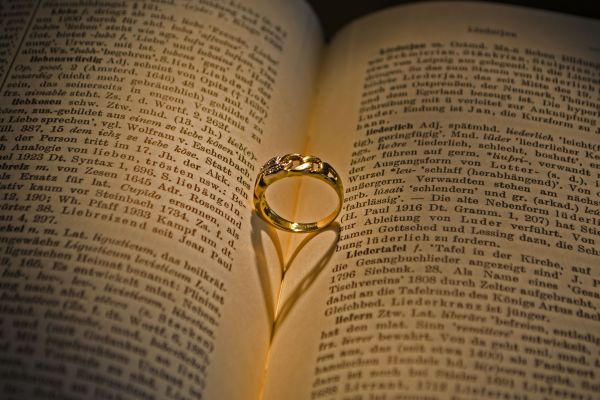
465	263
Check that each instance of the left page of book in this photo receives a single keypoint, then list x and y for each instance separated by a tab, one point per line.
130	137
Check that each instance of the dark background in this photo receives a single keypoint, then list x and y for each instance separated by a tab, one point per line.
335	14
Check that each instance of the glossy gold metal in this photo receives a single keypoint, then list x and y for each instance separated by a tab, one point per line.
291	165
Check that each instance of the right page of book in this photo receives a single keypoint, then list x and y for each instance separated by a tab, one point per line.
468	262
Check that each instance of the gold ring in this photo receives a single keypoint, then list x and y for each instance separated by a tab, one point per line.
290	165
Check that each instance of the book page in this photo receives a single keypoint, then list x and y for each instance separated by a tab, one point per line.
468	259
130	137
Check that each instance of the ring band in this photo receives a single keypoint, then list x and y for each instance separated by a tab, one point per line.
290	165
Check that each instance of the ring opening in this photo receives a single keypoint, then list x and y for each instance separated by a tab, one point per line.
302	199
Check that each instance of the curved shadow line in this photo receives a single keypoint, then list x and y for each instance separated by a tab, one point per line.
258	227
310	277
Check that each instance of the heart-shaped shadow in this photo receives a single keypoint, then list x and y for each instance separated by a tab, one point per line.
272	273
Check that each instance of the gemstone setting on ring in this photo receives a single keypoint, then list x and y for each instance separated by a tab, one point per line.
272	166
